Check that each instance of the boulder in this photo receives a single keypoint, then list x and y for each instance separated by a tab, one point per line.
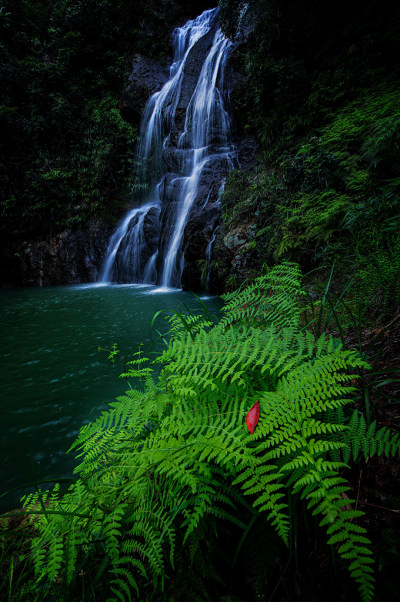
239	237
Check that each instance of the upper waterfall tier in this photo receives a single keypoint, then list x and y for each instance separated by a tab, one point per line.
184	154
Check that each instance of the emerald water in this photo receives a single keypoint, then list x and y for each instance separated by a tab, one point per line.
53	379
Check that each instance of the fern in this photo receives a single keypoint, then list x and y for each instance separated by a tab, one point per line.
173	456
273	298
367	440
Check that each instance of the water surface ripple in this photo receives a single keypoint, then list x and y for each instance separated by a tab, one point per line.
53	379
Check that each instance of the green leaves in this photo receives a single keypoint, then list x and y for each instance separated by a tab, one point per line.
367	440
168	460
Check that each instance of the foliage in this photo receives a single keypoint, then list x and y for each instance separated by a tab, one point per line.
17	579
378	280
335	199
319	90
173	460
313	218
47	100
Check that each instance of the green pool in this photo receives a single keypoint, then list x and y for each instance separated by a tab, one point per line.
53	379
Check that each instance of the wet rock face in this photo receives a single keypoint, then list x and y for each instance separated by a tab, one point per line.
151	230
147	77
73	256
248	149
198	233
236	250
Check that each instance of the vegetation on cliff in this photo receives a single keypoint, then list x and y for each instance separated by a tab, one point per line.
321	94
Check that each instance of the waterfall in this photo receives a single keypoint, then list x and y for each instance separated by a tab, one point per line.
184	154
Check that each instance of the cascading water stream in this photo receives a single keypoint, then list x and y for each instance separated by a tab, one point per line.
187	122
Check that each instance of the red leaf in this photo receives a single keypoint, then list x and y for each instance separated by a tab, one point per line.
252	417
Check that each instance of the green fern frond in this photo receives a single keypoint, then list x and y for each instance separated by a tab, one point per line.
366	439
272	299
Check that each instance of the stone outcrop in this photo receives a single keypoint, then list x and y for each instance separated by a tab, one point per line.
147	77
69	257
234	256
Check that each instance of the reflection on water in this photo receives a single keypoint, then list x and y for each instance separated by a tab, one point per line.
53	379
